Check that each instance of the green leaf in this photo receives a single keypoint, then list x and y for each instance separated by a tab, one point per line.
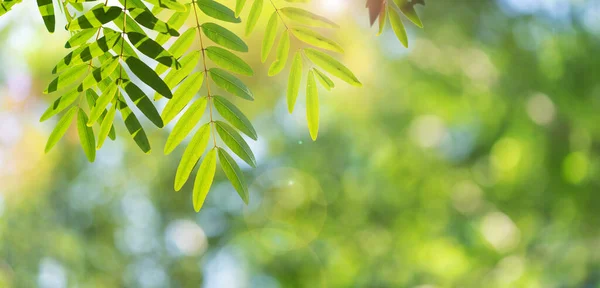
95	18
255	12
152	49
294	80
179	47
324	80
234	116
382	20
134	127
408	9
234	174
235	142
86	136
47	11
67	78
312	105
192	154
283	50
60	129
107	96
230	83
130	25
60	104
224	37
305	17
186	91
106	126
217	10
313	38
269	38
91	97
185	124
239	6
228	60
204	178
332	66
88	52
148	76
142	101
167	4
188	63
99	74
398	27
80	37
176	21
148	20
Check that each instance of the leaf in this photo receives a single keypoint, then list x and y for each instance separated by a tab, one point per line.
167	4
148	76
86	136
254	15
234	174
95	18
130	25
382	18
312	106
192	154
66	79
217	10
228	60
294	80
188	63
80	38
204	178
224	37
107	96
398	27
234	116
186	91
139	98
179	47
305	17
148	20
269	38
235	142
408	9
99	74
152	49
134	127
88	52
60	129
313	38
375	7
239	6
283	50
47	11
106	125
230	83
185	124
175	21
332	66
91	97
60	104
324	80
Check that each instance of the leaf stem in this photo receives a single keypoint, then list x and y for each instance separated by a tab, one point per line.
278	14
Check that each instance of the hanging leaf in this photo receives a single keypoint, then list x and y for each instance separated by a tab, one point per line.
99	74
185	124
175	21
398	27
59	105
408	9
87	52
324	80
86	136
106	125
179	47
107	96
234	116
91	97
95	18
152	49
139	98
254	15
168	4
228	61
204	178
382	18
294	80
60	129
332	66
217	10
312	106
188	63
134	127
235	142
230	84
148	20
315	39
224	37
80	37
192	154
67	78
239	6
305	17
234	174
269	38
283	50
47	11
186	91
148	76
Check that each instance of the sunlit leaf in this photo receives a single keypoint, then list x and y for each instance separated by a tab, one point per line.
269	38
234	174
168	4
95	18
152	49
99	74
315	39
229	61
134	127
188	63
254	15
234	116
47	11
80	38
398	27
91	97
87	52
305	17
312	105
106	125
139	98
148	76
192	154
235	142
185	124
239	6
185	92
86	136
148	20
60	104
67	78
179	47
283	50
175	21
230	83
217	10
61	128
224	37
294	80
408	9
329	64
204	178
107	96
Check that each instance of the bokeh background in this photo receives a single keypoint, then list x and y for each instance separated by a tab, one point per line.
470	159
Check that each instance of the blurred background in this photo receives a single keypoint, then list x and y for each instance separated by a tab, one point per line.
470	159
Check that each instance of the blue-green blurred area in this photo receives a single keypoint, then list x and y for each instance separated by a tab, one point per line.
471	159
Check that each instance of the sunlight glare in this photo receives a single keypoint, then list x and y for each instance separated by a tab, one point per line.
333	7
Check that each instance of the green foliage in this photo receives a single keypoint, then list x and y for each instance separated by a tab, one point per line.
103	61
